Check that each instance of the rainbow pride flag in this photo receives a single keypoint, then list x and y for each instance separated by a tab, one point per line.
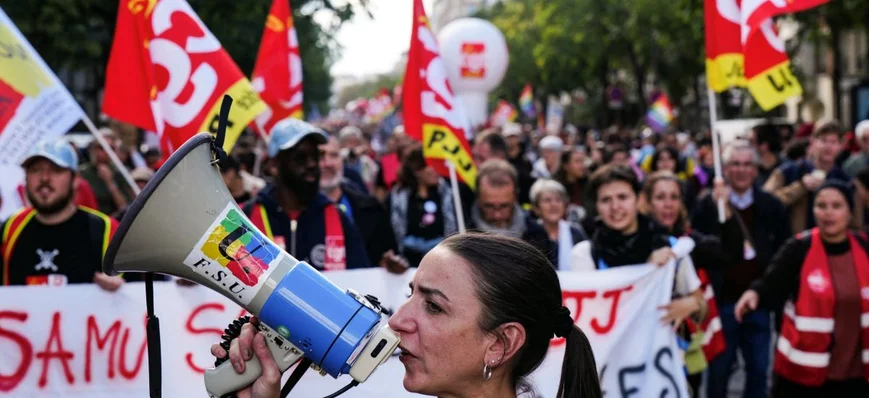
526	101
660	114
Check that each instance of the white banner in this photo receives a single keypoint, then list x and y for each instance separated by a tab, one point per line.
79	341
34	104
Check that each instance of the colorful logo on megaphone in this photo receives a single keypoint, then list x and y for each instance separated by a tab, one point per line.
240	248
234	255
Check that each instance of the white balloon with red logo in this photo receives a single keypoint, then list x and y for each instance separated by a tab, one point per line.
475	54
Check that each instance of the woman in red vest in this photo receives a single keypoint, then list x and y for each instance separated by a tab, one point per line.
821	277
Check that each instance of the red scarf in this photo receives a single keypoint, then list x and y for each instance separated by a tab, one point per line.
803	349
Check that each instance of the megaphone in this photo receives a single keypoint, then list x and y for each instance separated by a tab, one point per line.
185	223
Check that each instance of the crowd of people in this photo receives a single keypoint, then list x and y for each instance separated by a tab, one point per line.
788	260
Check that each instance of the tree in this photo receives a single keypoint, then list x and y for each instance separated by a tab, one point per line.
77	36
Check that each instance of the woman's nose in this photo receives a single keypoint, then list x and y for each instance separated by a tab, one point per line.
401	321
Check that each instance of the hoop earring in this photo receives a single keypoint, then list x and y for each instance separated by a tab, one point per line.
487	372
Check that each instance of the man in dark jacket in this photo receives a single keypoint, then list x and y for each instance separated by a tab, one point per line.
294	214
498	211
755	228
370	217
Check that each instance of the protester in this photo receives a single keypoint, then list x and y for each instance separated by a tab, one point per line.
491	145
549	203
550	150
106	181
497	210
859	160
421	208
55	242
369	216
355	150
292	212
516	155
230	170
821	277
476	299
624	237
667	158
572	174
767	140
753	230
795	183
662	201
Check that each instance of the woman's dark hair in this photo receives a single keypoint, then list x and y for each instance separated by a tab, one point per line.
560	174
413	161
674	154
768	134
797	149
516	283
611	173
612	150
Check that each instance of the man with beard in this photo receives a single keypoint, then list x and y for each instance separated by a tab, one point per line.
55	242
294	214
363	209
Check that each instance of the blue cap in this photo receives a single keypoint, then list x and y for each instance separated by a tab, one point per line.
289	132
57	151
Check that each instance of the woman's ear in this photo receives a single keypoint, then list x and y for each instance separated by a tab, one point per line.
509	339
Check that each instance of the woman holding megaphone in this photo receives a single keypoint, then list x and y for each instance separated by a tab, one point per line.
479	319
821	277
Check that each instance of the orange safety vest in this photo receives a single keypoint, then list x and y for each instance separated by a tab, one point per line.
803	348
19	220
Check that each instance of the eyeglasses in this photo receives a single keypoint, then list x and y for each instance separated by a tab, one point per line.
740	164
490	207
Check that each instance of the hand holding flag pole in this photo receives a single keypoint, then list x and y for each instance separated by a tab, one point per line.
716	151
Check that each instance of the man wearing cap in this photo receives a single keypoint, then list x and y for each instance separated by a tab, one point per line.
550	151
293	213
108	184
55	242
512	133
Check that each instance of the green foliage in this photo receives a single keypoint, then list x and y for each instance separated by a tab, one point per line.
77	35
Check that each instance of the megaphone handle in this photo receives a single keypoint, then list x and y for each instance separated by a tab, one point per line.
224	380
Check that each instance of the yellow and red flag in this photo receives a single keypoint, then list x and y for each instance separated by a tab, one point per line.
167	73
277	74
756	12
504	113
724	58
430	113
768	68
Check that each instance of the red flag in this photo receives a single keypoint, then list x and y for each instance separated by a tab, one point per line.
504	113
724	58
768	68
430	115
277	75
167	73
756	12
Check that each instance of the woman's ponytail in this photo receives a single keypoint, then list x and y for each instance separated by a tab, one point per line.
579	377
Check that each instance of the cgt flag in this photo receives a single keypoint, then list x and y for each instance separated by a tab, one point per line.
277	75
724	58
167	73
768	67
757	12
430	112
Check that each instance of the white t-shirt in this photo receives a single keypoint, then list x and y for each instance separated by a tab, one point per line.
687	280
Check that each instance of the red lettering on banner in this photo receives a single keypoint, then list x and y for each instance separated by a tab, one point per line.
61	354
122	368
93	332
8	383
194	330
615	294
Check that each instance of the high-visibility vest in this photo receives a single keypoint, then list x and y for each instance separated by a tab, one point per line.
19	220
803	348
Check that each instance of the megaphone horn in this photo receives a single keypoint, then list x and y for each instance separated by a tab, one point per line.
185	223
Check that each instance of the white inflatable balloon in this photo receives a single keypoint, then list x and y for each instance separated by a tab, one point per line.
475	54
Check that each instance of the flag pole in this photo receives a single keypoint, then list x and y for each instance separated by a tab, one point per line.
457	199
111	152
716	151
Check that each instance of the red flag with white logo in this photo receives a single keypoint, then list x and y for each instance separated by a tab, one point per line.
430	113
277	75
167	73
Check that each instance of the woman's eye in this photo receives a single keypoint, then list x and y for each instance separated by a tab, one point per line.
432	307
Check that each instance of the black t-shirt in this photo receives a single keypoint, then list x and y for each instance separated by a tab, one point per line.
424	220
44	254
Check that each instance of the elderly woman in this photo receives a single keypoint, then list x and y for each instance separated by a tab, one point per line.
821	277
476	299
625	237
549	203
